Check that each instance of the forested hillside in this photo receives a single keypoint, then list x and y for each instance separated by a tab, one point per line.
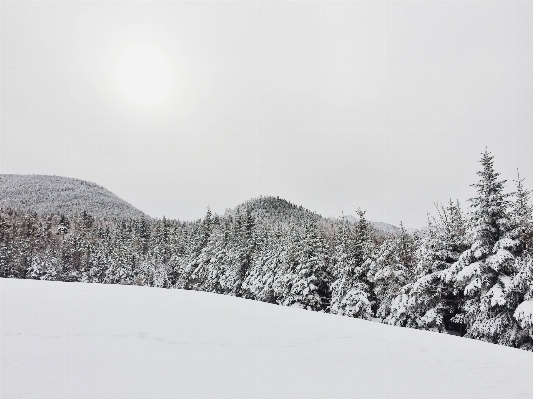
471	274
47	195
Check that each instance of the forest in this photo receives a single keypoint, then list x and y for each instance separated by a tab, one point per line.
470	273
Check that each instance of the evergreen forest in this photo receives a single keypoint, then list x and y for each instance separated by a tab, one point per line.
470	273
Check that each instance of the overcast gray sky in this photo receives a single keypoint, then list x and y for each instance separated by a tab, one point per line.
332	105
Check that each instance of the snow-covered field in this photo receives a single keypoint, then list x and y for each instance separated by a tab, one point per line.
74	340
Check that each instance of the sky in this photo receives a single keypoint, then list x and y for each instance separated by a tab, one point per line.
177	106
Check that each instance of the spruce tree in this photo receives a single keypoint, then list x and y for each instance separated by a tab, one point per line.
304	280
391	268
6	245
200	233
239	253
519	293
210	263
351	291
484	270
431	301
63	225
521	215
271	251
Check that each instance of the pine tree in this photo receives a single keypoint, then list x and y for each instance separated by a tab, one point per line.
304	280
391	268
271	249
239	253
483	271
210	263
121	265
63	225
28	242
44	266
519	293
201	231
521	215
6	245
490	219
431	301
351	291
98	263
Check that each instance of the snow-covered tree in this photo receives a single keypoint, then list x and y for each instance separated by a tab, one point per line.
121	265
304	280
270	257
484	270
519	293
239	251
6	245
210	263
63	225
521	215
44	266
185	266
431	301
351	291
392	267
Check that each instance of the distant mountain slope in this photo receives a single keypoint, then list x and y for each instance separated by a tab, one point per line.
61	195
384	227
276	209
64	195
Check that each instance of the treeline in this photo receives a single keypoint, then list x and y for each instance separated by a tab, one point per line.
471	273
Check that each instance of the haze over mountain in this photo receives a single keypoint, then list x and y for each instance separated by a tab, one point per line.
62	195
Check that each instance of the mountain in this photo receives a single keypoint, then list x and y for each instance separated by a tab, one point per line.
276	209
75	340
384	228
62	195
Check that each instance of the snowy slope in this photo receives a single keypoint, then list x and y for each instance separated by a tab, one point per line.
55	194
74	340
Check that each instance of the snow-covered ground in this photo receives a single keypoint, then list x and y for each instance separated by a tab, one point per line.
74	340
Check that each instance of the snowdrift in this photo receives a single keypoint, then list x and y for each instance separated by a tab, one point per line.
75	340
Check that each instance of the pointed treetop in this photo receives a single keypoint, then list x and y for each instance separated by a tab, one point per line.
521	205
488	186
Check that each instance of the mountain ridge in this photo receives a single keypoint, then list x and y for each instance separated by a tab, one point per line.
48	194
386	228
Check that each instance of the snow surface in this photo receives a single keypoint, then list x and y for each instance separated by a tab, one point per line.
75	340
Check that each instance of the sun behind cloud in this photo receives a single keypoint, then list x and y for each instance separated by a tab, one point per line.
144	75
